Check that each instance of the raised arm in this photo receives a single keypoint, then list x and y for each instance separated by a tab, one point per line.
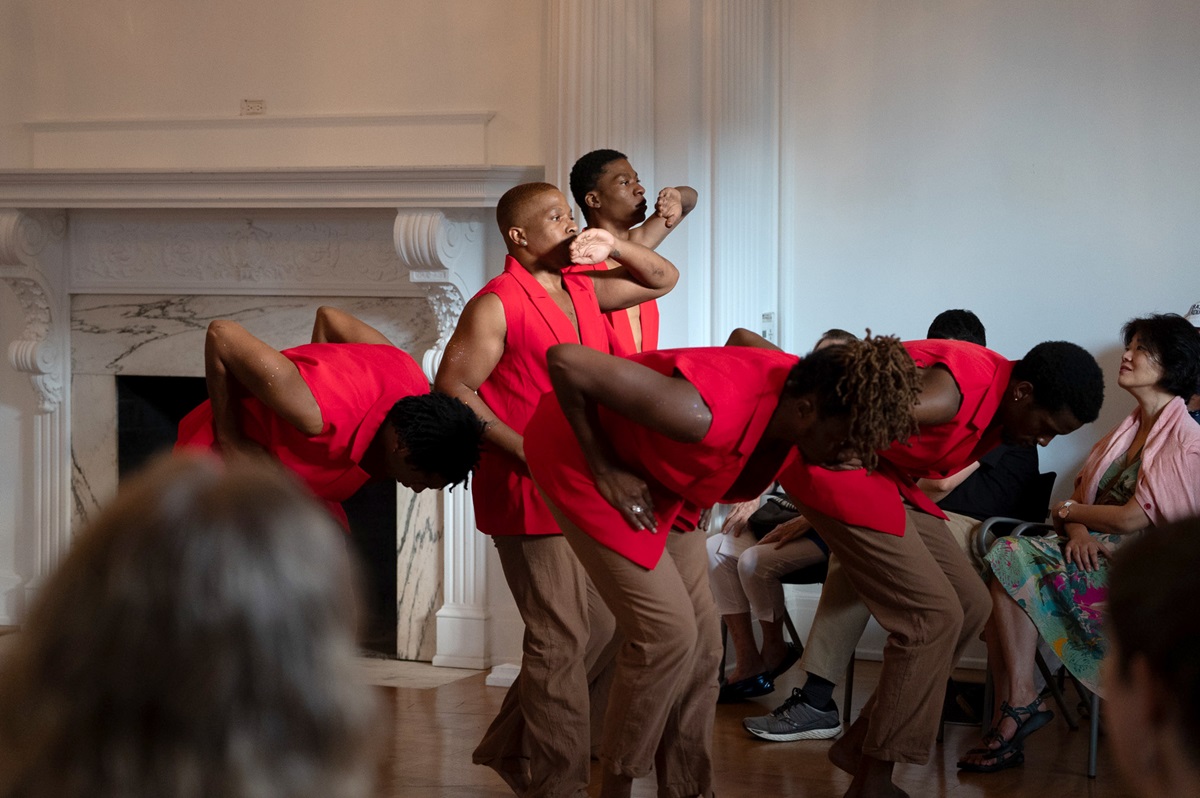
672	205
641	273
235	360
584	379
334	326
473	351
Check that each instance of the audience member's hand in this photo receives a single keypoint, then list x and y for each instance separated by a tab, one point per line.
593	245
737	521
669	206
1083	549
705	520
787	532
630	494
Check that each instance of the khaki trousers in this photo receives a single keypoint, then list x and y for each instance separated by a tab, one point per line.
927	596
540	742
842	617
665	685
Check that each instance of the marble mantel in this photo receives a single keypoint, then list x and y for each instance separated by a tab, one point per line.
117	271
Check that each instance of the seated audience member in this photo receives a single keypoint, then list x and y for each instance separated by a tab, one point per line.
1151	673
1193	404
744	574
198	640
628	451
984	488
610	197
347	409
957	325
1141	475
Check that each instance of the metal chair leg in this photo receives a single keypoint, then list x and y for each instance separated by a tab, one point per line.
1056	691
1094	736
848	696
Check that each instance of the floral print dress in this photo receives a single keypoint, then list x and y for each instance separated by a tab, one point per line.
1066	603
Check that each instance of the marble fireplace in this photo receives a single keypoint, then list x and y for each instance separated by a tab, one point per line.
119	273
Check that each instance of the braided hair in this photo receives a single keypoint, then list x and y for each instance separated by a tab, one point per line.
874	381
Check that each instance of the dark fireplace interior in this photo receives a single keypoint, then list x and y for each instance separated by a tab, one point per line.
148	413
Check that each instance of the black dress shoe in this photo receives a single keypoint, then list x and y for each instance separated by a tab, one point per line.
750	687
789	659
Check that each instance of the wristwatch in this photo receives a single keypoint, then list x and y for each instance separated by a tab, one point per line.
1064	509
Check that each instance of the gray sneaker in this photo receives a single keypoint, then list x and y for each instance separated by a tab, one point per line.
795	720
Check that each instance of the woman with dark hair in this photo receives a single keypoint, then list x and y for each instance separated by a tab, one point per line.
198	640
628	453
1143	474
1151	675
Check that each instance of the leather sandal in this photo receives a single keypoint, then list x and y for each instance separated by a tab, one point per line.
1002	758
1033	719
1010	752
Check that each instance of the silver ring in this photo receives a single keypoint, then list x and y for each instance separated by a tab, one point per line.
635	508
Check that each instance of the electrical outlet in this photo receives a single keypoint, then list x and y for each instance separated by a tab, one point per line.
768	328
254	107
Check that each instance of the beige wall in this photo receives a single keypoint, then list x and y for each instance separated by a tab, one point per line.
161	68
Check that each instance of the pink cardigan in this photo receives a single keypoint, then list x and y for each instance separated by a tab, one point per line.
1168	485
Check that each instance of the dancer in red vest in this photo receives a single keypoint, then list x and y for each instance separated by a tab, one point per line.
540	742
347	409
609	195
629	452
893	543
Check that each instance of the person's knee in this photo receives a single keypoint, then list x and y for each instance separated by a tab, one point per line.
747	566
670	639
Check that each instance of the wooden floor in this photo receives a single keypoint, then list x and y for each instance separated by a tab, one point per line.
434	728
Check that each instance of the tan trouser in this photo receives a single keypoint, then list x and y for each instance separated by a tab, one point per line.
664	690
540	742
926	595
841	615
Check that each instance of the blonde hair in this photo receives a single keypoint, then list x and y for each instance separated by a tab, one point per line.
198	640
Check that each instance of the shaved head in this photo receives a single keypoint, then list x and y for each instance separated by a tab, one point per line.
512	208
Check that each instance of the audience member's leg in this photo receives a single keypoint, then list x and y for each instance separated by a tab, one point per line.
837	626
724	552
760	568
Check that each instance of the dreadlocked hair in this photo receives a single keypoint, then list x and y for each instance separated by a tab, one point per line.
443	436
874	381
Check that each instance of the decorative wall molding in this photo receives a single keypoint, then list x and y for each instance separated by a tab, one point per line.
261	140
31	254
32	263
364	187
277	252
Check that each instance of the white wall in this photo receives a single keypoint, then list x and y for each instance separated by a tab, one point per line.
1035	162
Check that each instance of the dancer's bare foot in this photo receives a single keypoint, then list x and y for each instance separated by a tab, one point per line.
874	780
846	753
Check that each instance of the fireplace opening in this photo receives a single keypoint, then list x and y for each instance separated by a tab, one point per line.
149	410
